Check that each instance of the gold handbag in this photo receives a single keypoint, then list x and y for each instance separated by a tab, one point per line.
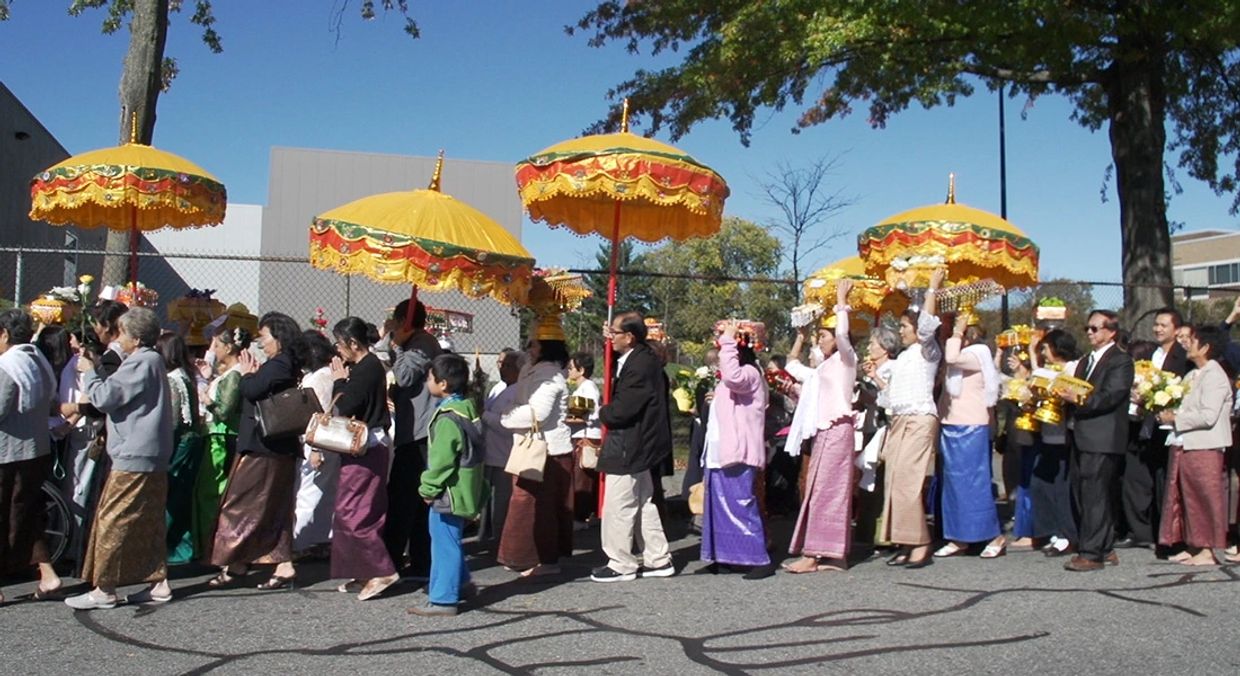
336	433
529	453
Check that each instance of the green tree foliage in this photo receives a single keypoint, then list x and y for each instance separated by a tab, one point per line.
1142	69
689	306
584	327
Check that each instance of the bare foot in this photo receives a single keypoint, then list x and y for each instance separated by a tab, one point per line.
805	564
1180	558
1204	557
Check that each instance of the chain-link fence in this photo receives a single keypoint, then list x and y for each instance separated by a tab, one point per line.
292	286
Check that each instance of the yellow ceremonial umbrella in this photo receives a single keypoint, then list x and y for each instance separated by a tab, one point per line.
424	238
133	187
972	244
869	294
617	186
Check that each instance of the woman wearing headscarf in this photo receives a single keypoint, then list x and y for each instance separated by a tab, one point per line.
823	532
734	457
27	392
224	420
187	447
360	391
1195	509
538	530
128	538
969	393
256	512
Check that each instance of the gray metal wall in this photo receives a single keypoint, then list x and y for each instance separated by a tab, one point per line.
304	183
26	148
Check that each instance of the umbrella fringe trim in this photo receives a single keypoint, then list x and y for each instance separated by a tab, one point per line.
505	286
65	195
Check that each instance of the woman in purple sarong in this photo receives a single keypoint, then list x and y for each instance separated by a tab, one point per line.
360	392
823	530
734	456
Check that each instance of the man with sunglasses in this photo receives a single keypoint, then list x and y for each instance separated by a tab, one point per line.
1100	439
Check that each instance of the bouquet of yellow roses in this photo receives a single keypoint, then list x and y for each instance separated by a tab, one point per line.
1158	389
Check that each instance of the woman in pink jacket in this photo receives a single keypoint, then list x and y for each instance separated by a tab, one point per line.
735	454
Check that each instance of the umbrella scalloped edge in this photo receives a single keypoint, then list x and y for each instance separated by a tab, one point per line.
505	281
562	192
981	247
93	197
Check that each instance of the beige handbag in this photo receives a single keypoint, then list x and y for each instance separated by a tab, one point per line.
529	453
588	454
336	433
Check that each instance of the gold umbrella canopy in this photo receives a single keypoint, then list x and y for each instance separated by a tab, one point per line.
425	238
582	184
126	187
867	293
132	187
973	244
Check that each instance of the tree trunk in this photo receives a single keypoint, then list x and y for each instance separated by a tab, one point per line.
1136	100
139	92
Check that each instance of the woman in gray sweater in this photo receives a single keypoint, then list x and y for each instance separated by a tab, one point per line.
27	390
127	542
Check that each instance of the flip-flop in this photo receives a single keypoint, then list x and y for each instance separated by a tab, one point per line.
994	551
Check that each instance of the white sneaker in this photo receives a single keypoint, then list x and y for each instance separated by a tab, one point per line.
89	601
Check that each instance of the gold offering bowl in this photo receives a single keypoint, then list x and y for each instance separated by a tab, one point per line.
1050	408
580	407
51	310
1071	389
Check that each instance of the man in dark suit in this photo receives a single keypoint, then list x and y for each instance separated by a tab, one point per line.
638	436
1100	439
1145	467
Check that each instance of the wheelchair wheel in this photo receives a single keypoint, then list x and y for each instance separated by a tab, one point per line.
59	522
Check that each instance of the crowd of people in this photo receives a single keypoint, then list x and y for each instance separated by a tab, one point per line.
166	457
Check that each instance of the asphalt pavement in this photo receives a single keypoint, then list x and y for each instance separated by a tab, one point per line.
961	615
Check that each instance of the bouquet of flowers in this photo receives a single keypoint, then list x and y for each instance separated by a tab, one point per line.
319	320
1158	389
687	384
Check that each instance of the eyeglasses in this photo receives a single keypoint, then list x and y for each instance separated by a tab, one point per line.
1094	329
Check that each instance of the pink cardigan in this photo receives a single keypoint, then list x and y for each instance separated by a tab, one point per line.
740	409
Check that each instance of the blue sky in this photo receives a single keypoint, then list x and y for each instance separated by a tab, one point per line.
501	80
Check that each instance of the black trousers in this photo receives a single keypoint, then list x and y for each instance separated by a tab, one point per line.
1094	478
1143	486
407	526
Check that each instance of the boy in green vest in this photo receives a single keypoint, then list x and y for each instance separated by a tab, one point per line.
452	484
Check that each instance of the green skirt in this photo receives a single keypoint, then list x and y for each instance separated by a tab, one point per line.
217	459
179	513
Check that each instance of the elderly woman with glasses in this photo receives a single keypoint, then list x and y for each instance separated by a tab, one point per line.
127	541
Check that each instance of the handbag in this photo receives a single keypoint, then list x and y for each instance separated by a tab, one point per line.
529	454
587	454
337	433
285	414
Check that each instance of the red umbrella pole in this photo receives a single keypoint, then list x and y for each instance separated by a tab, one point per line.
413	303
608	367
134	239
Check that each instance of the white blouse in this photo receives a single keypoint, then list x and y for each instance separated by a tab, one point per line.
911	387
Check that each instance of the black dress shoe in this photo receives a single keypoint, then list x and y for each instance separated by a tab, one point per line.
1130	543
926	561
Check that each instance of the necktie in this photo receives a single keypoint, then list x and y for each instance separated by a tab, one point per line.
1089	365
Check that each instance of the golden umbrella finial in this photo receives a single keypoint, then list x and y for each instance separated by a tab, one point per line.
624	116
133	127
438	172
951	188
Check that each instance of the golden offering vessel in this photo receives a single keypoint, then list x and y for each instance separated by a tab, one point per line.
580	407
48	309
1072	389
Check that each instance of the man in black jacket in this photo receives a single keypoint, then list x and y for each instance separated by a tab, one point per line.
1145	468
1100	439
638	436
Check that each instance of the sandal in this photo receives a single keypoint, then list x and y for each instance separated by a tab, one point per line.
994	551
800	567
900	559
949	549
277	582
223	579
351	587
41	594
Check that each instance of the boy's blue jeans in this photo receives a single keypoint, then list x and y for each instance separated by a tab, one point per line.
448	569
